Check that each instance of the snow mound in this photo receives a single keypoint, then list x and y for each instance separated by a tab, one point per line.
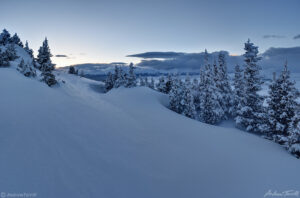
71	141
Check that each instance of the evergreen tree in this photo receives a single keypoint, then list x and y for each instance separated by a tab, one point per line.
188	102
160	86
251	114
146	81
151	84
238	89
142	82
10	52
294	135
120	78
187	81
109	82
210	109
45	64
21	66
44	57
4	60
226	100
72	70
28	50
131	78
4	37
281	105
168	84
176	95
16	40
196	94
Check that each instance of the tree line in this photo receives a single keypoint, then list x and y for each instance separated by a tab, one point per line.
42	63
211	98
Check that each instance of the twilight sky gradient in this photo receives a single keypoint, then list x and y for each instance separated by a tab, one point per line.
108	30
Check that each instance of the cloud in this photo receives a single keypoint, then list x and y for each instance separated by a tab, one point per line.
61	56
157	55
297	36
273	36
272	60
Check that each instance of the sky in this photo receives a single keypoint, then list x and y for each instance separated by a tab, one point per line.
102	31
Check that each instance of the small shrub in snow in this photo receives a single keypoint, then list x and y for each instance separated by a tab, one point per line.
26	69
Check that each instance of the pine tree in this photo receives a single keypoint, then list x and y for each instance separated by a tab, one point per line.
168	84
28	50
151	84
294	135
160	86
281	105
131	78
21	66
251	114
238	90
45	64
176	95
72	70
210	109
4	60
16	40
26	69
29	70
4	37
120	78
11	53
196	94
226	100
188	101
109	82
44	57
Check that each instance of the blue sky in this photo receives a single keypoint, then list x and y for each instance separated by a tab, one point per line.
107	31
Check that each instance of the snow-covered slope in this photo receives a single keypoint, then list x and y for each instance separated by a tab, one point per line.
71	141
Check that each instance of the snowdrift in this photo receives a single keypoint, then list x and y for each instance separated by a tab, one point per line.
71	141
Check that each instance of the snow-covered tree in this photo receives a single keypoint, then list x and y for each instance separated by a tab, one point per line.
4	60
10	52
282	105
21	65
176	95
211	111
142	82
44	57
72	70
26	69
238	89
109	82
152	84
294	135
28	50
168	84
251	114
196	94
188	101
16	40
120	77
45	64
131	78
160	86
4	37
227	99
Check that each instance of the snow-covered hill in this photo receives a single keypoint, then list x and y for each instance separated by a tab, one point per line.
73	141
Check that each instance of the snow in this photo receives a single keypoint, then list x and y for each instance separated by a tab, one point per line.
72	141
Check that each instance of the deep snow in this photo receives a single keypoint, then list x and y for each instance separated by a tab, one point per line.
71	141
